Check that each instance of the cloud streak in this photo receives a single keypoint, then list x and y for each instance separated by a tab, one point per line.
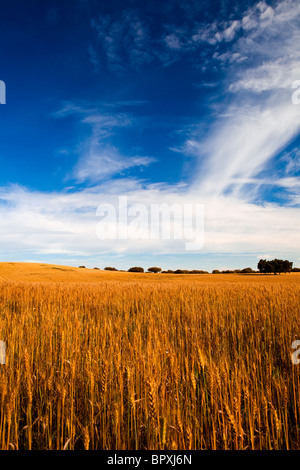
259	120
65	222
98	158
101	162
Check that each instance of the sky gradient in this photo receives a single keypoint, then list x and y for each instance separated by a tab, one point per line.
162	102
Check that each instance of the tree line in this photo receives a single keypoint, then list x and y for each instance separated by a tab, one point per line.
275	266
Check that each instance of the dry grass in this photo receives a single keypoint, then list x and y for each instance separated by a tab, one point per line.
150	362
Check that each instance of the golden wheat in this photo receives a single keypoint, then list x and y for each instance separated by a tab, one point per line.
150	364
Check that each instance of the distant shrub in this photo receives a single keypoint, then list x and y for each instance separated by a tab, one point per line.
108	268
247	271
96	268
136	269
154	270
197	271
296	270
82	266
216	271
193	271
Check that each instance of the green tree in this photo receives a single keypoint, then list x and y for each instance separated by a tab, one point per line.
275	266
136	269
288	266
154	270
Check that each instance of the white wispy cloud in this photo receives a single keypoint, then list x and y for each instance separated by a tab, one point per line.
272	75
131	40
100	162
259	120
66	222
292	161
98	158
243	142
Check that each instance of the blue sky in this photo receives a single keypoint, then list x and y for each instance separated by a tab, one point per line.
187	102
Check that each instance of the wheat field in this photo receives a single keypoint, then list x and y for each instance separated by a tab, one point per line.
138	361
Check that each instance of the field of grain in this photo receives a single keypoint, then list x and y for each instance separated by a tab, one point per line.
133	361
